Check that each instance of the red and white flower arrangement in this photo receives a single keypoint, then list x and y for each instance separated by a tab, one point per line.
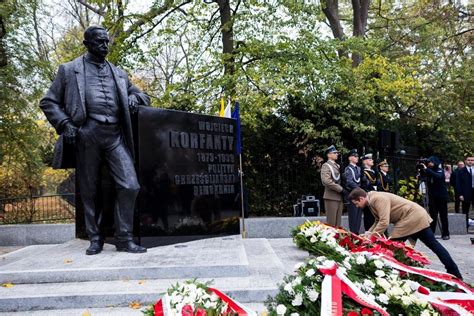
192	298
352	275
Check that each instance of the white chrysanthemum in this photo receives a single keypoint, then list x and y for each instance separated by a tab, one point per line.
296	281
379	264
313	239
281	309
384	284
407	300
289	289
369	284
379	273
328	263
425	313
360	260
310	272
395	291
298	265
407	288
312	295
343	270
298	300
294	314
383	298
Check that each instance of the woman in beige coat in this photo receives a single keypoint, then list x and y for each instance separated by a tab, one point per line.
410	220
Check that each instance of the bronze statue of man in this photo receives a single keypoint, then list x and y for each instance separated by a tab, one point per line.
89	105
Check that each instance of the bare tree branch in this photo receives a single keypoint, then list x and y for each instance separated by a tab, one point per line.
99	11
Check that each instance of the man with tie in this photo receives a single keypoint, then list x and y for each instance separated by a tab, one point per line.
465	187
352	175
89	105
452	182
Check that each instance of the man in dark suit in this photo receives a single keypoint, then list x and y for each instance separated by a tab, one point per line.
465	187
452	182
437	195
89	105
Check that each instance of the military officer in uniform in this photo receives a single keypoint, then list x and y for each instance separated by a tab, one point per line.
369	183
352	174
331	179
385	181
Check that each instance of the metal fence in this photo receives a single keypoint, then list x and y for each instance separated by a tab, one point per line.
272	189
57	208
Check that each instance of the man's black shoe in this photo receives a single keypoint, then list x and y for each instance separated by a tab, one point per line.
130	246
445	237
95	247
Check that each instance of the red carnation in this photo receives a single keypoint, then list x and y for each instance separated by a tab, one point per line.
187	311
352	313
201	312
366	311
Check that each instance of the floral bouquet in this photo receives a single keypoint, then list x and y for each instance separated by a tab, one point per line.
316	238
192	298
361	285
399	250
370	277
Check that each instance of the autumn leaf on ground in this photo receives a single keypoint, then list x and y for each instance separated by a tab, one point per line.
67	261
86	313
135	305
8	285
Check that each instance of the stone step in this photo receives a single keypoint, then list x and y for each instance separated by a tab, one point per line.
27	297
208	258
109	311
264	269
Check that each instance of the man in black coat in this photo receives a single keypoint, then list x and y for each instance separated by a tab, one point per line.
452	182
437	195
465	187
89	105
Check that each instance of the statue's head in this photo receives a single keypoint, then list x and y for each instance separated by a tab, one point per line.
96	39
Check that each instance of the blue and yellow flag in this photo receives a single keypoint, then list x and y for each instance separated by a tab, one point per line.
222	111
236	116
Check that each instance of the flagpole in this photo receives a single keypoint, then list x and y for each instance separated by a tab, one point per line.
244	232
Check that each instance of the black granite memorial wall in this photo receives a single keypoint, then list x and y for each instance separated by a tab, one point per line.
188	173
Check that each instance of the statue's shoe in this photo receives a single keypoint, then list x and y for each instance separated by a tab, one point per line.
129	246
95	247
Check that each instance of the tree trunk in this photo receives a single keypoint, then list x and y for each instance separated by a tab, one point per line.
227	30
360	10
331	11
360	13
3	51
